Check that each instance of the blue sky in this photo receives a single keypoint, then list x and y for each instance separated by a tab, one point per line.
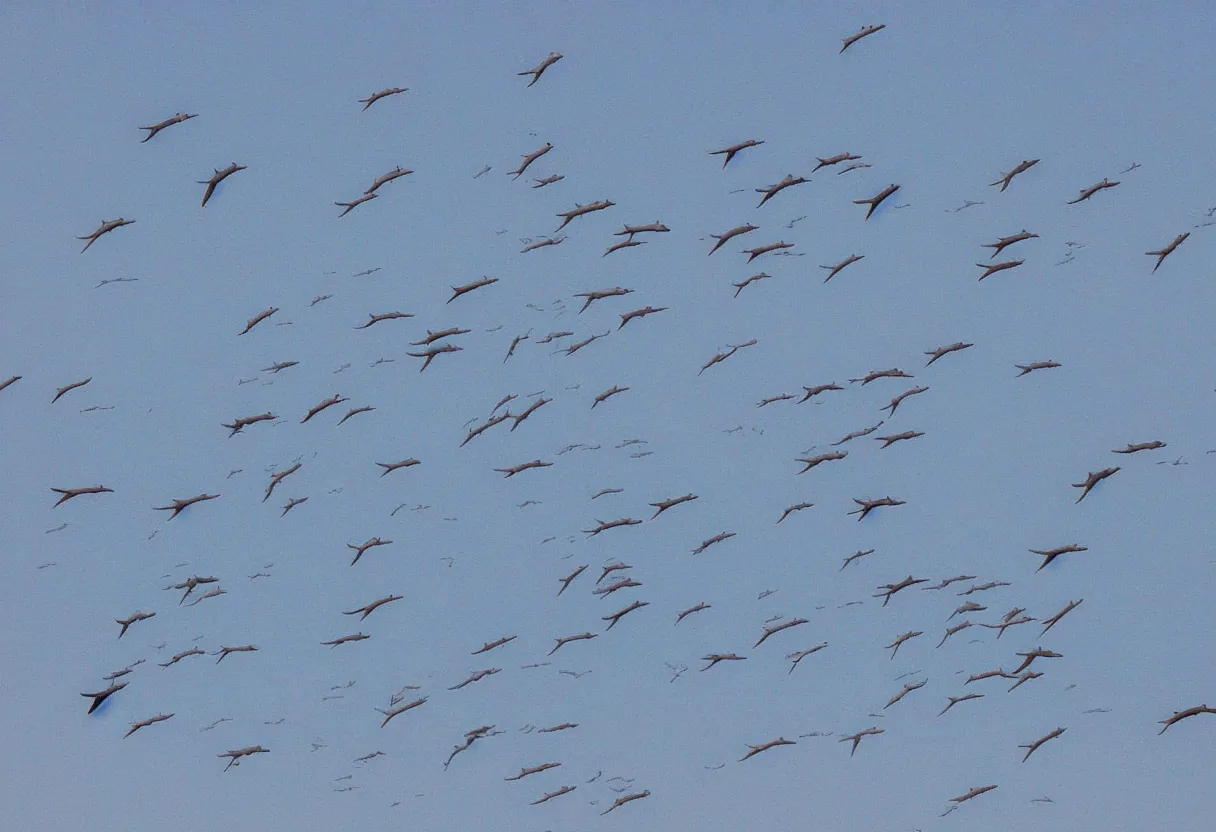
942	101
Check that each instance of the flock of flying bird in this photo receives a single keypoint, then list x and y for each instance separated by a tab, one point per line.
1024	666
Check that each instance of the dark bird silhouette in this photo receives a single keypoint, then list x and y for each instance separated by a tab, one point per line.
740	286
1004	242
772	190
877	199
718	538
9	381
888	441
320	406
152	720
1140	446
179	506
696	608
628	798
524	466
363	547
1037	744
1165	252
869	505
731	151
368	609
400	709
582	210
384	179
240	753
640	313
940	352
457	291
540	68
859	736
376	96
1051	554
722	356
217	178
758	251
1006	178
1169	722
664	505
773	629
346	639
877	374
237	425
169	122
1092	479
105	228
607	394
834	160
1037	365
992	268
725	236
791	509
756	749
127	622
102	696
889	590
390	467
714	658
1048	623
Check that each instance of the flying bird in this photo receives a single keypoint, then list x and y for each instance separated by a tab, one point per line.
836	269
865	32
1165	252
1169	722
834	160
877	199
1092	479
368	609
1006	178
1037	744
105	228
731	151
1051	554
179	506
859	736
169	122
726	236
353	204
240	753
1004	242
1086	193
69	493
941	352
327	403
869	505
992	268
772	190
529	158
384	179
258	318
217	178
152	720
540	68
1140	446
363	547
102	696
1037	365
582	210
376	96
457	291
756	749
127	622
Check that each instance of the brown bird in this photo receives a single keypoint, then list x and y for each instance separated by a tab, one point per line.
730	235
958	628
224	651
869	505
240	753
152	720
1034	746
524	772
945	583
812	392
1022	678
891	589
545	243
654	227
773	629
859	736
836	269
581	210
561	642
292	503
722	356
181	505
685	613
368	609
195	651
600	294
1038	653
566	581
1004	242
573	348
640	313
346	639
888	441
330	402
625	244
363	547
1168	722
1092	479
610	568
954	700
718	538
540	68
278	478
772	190
190	584
69	493
739	287
899	640
390	467
799	655
457	291
756	749
532	408
714	658
484	426
384	179
1051	554
791	509
1048	623
1037	365
607	394
1141	446
515	342
915	391
877	374
127	622
628	798
523	466
814	461
355	203
784	397
731	151
105	228
619	614
908	688
993	268
970	606
355	411
550	795
664	505
376	96
976	792
430	353
257	319
278	366
493	645
169	122
102	696
756	252
944	351
69	388
1165	252
9	381
865	32
1006	178
834	160
400	709
548	180
1086	193
477	676
858	555
877	199
529	158
217	178
237	425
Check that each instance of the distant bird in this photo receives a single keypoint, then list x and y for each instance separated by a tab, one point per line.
258	318
600	294
877	374
799	655
859	736
127	622
217	178
1048	623
836	269
566	581
530	158
1169	722
726	236
619	614
552	241
908	688
628	798
561	642
714	658
169	122
9	381
368	609
857	434
390	467
865	32
607	394
292	503
279	366
545	798
355	411
144	723
718	538
695	608
899	640
376	96
1037	744
436	335
877	199
1092	479
363	547
889	590
430	353
1006	178
540	68
278	478
992	268
582	210
384	179
765	249
102	696
756	749
225	651
731	151
1165	252
530	770
639	313
240	753
525	466
346	639
664	505
179	506
384	316
1049	555
1037	365
888	441
895	402
1140	446
548	180
653	227
323	405
791	509
105	228
1004	242
773	629
457	291
976	792
869	505
400	709
69	493
1029	656
353	204
772	190
739	287
1086	193
493	645
941	352
237	425
834	160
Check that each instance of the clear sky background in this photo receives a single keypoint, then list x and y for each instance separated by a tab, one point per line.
943	101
